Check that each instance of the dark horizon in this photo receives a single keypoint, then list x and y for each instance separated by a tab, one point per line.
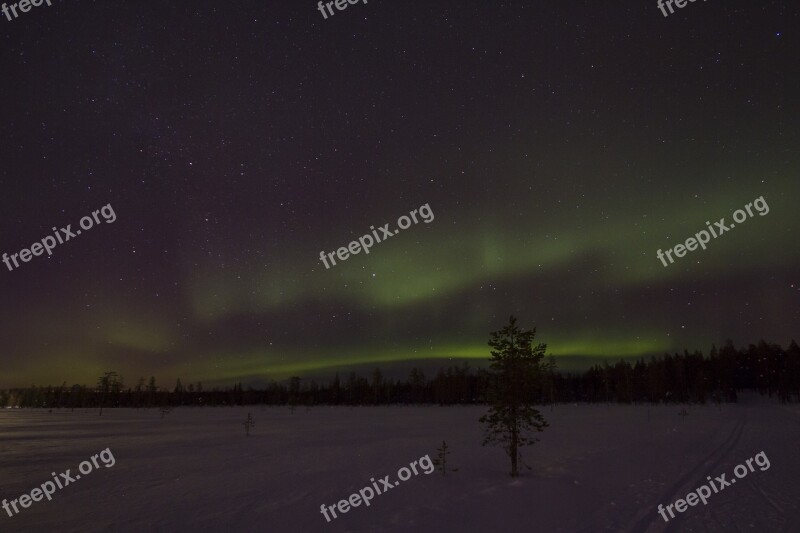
689	378
400	370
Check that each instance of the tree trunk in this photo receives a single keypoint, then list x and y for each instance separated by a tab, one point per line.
513	449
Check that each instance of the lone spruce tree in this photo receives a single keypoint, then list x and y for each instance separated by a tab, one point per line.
107	384
515	375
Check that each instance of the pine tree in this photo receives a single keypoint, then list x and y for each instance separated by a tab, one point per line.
248	423
550	379
417	382
336	391
108	383
139	388
294	392
151	391
441	459
178	392
515	368
377	383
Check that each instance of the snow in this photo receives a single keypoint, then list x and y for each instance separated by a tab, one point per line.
597	468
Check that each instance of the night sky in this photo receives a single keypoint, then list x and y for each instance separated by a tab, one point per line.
559	144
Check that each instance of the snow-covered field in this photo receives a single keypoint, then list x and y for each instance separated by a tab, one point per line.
597	468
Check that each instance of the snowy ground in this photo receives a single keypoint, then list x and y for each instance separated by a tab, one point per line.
597	468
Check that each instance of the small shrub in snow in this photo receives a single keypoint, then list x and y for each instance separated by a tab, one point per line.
248	423
441	459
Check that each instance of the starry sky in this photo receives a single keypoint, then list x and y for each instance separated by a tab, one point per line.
559	145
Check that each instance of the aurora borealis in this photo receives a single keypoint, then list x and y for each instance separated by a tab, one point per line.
558	145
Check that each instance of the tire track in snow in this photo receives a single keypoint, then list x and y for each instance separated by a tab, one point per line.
792	524
736	435
673	492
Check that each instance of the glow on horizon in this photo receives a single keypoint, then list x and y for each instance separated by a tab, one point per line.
253	365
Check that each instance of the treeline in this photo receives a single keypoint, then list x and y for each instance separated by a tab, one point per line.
677	378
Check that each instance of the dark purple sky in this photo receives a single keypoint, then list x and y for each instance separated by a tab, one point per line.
559	146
